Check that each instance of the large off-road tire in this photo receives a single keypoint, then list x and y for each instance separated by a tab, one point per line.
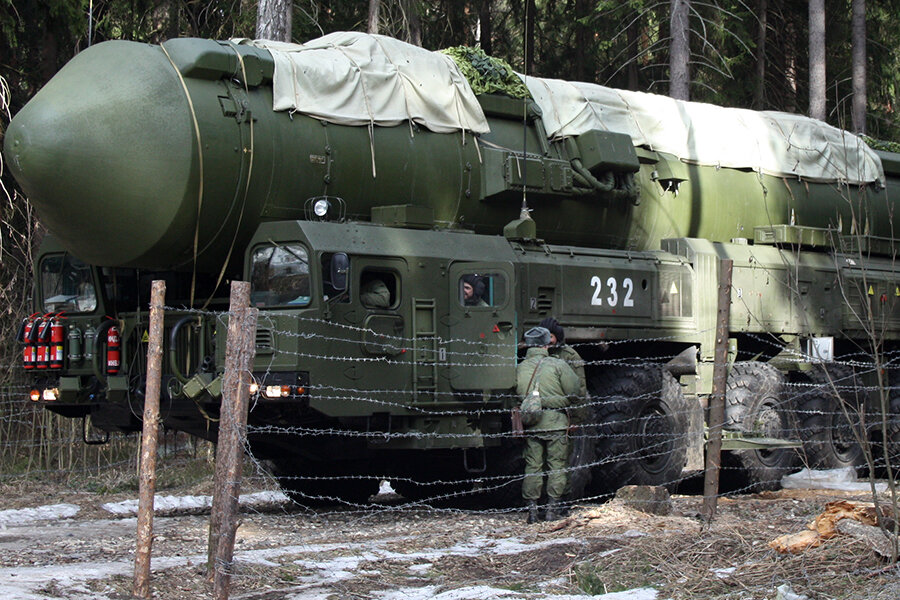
830	440
641	418
755	405
582	456
891	421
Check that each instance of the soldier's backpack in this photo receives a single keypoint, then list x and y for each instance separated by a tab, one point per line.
530	409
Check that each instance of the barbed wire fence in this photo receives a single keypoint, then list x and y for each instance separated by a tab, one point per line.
804	400
38	443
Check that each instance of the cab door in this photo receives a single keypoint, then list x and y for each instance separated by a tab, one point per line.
481	346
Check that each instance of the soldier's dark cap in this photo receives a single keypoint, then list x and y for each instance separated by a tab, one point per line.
537	336
553	326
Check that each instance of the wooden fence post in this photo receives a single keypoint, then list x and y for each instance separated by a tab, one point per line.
239	354
149	442
717	400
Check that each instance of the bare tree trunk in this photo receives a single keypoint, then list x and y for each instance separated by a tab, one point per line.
790	66
530	10
582	35
273	20
634	48
413	23
858	33
817	59
486	31
679	50
374	5
759	94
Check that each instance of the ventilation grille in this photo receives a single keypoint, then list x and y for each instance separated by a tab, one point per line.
544	300
265	341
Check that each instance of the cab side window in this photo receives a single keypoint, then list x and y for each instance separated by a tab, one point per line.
279	275
482	289
378	289
67	284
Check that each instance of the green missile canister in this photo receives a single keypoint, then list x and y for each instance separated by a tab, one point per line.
169	157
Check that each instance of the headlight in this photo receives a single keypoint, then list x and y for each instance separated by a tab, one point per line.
50	394
277	391
320	208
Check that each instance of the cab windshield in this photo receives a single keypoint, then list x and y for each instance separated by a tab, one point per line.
279	275
67	285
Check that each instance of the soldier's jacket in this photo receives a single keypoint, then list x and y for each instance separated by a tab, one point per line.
578	412
556	382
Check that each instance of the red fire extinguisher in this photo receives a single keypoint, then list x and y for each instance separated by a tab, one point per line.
113	350
43	341
29	354
57	337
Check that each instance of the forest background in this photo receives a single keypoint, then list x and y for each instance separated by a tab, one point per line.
838	60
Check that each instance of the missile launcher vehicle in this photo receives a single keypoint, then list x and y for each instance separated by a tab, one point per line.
314	170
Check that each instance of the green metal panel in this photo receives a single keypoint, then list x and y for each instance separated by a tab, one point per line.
607	150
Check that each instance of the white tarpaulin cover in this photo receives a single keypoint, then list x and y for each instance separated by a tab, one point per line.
355	78
772	142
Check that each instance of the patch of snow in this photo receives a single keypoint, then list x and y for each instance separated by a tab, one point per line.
634	533
490	593
23	516
724	573
311	595
431	591
173	504
345	562
784	592
635	594
828	479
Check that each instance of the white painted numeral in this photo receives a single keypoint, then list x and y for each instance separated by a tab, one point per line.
597	285
629	288
613	294
612	299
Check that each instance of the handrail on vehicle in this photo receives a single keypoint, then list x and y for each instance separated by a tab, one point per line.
173	358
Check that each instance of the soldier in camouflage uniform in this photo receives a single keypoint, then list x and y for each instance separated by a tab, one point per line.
579	412
561	350
546	442
375	294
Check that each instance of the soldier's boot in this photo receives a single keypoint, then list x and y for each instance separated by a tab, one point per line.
533	516
554	510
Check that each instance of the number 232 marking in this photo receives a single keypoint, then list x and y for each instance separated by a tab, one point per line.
612	298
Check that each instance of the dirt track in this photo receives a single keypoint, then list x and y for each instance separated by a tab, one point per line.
391	553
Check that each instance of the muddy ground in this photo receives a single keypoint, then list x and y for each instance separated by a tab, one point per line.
392	552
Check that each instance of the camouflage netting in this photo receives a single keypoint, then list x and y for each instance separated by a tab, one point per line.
487	75
883	145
